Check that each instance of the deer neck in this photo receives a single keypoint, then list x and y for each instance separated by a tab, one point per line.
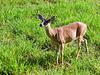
49	30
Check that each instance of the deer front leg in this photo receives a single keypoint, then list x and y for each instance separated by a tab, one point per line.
62	50
57	54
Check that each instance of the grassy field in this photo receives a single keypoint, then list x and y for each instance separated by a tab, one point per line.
25	48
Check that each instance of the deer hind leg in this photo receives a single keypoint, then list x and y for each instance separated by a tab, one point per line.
85	42
80	39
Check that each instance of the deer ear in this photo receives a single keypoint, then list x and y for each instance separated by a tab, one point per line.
41	17
52	18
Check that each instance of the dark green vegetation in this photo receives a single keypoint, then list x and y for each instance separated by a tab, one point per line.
25	49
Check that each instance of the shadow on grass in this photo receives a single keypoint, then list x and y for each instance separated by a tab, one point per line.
44	60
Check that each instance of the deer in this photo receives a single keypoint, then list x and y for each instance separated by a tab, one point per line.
64	34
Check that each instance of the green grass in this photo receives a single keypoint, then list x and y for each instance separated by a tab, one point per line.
25	48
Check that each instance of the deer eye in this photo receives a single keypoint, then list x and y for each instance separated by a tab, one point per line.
46	22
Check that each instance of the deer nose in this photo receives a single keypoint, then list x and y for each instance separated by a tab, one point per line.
40	25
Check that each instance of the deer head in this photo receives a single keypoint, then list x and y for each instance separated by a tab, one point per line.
46	22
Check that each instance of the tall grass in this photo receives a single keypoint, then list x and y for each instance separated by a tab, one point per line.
25	48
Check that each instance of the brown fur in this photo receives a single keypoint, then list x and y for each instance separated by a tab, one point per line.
67	33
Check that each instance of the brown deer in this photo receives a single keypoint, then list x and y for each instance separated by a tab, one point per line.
64	34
